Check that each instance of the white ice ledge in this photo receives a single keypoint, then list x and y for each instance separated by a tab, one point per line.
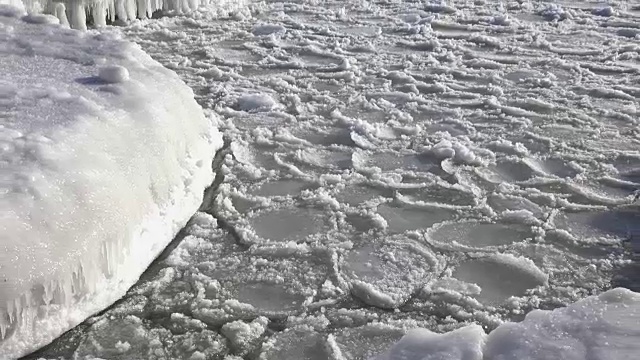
104	155
604	327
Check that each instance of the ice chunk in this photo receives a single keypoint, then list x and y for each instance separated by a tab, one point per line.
603	11
503	20
386	275
628	32
501	276
603	327
96	178
268	29
300	343
242	335
440	7
553	12
445	149
114	74
256	102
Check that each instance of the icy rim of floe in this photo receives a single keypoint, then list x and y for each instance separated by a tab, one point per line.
105	157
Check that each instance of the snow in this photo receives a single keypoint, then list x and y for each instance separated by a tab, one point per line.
105	156
600	327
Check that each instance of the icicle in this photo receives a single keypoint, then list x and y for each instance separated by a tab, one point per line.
121	11
67	292
107	259
10	310
151	7
112	11
75	282
142	9
78	15
17	309
28	300
193	4
25	307
60	12
130	8
4	323
99	13
47	294
49	7
59	293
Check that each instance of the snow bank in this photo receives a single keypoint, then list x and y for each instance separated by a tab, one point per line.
105	156
601	327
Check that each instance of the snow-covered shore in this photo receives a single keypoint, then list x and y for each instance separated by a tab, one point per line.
105	155
425	158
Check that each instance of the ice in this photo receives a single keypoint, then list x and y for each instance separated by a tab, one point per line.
629	33
114	74
600	327
603	11
440	7
40	19
363	342
391	165
120	339
386	275
421	344
501	276
242	335
268	29
478	235
400	219
446	149
105	156
288	224
256	102
298	343
125	10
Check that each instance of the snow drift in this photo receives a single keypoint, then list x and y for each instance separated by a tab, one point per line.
105	155
603	327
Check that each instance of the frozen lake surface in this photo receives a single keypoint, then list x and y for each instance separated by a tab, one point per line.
389	165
